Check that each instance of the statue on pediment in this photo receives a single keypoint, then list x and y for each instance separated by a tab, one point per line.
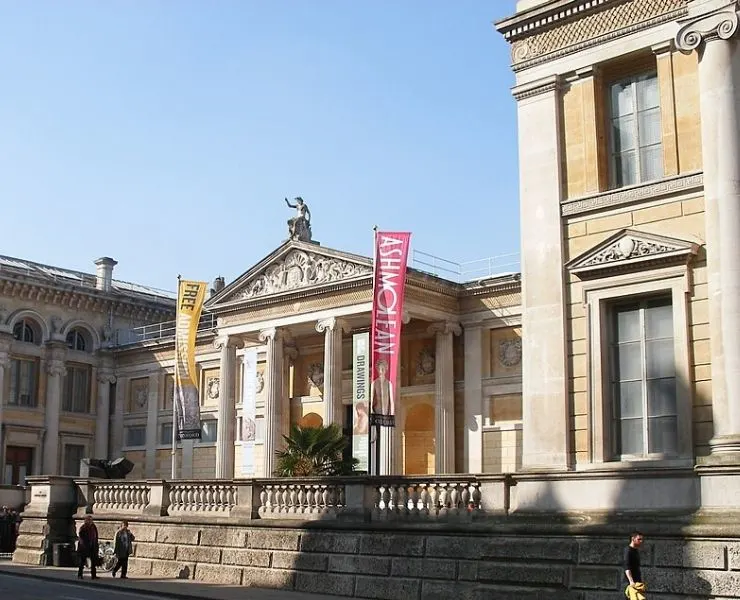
299	227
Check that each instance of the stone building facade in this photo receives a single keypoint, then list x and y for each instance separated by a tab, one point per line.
58	332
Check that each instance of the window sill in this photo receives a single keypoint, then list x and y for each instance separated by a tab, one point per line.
36	408
133	449
650	190
638	463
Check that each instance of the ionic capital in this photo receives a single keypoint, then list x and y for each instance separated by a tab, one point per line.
269	334
718	24
56	368
225	341
445	327
330	324
106	377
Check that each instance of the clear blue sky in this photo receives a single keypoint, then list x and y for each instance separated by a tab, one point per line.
166	133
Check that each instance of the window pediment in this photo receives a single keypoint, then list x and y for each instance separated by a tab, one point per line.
631	250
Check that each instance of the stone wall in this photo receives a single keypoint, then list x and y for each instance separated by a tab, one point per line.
524	561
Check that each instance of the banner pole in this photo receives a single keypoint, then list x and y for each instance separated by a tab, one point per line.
174	395
372	468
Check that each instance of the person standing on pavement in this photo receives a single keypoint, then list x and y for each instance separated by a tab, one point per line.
632	572
122	548
87	547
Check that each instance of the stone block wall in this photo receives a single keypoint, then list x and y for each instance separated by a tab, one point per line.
423	564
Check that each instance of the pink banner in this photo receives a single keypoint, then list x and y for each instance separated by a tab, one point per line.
391	255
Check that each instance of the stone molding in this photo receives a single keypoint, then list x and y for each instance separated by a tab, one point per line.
540	36
680	184
536	88
630	249
718	24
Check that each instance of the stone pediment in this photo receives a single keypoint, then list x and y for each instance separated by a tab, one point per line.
632	250
293	267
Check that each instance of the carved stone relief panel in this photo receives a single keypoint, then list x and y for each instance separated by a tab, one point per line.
138	395
506	352
211	388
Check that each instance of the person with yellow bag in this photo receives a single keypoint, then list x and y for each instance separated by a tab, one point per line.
635	585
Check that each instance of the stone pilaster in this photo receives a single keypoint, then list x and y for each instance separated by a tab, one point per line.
473	427
544	362
116	430
444	386
102	410
55	372
5	340
272	338
332	328
711	29
152	424
291	353
226	408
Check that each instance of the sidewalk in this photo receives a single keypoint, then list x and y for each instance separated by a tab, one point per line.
175	588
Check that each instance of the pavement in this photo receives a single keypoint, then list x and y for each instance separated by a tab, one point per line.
22	582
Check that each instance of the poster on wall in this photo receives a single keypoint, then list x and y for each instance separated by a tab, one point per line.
389	285
360	389
249	410
186	405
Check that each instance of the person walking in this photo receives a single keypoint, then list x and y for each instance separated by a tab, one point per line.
87	547
122	548
635	585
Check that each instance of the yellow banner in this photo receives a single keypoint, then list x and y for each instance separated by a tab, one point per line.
190	298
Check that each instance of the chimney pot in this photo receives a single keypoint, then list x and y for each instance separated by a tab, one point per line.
104	273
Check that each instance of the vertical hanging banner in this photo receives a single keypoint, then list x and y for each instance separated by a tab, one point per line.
190	298
360	389
389	285
249	410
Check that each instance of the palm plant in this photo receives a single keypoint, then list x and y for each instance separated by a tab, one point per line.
314	452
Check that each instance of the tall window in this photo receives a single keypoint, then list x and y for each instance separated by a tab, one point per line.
76	389
643	378
135	436
636	138
73	455
76	340
26	331
165	434
23	382
208	431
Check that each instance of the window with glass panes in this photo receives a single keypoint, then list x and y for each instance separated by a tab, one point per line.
208	431
165	434
23	382
73	455
636	137
135	436
643	378
76	389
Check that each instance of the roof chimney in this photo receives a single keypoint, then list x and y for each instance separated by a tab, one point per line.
104	273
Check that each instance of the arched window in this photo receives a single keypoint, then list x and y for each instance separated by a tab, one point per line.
77	340
25	330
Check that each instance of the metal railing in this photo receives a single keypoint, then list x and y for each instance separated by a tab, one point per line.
158	331
484	268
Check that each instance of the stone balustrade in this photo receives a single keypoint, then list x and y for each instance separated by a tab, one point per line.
438	497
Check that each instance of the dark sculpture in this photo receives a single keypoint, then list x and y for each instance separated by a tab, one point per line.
299	227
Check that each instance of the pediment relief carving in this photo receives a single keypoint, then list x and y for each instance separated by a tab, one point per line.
630	249
296	270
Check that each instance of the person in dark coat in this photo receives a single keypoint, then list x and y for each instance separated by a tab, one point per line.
87	547
122	548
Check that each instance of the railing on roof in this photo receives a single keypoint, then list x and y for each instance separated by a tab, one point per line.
159	331
494	266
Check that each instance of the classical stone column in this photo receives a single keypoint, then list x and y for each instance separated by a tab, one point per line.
544	363
711	29
152	424
444	385
5	340
332	328
291	353
473	427
116	420
273	397
226	408
55	372
102	410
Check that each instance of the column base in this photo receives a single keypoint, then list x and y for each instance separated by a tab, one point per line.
725	444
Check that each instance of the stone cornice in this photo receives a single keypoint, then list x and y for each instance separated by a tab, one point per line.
563	27
536	88
720	23
90	300
680	184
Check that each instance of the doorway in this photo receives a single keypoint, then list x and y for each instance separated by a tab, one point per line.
418	440
18	464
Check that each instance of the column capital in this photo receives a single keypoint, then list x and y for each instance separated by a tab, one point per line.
55	367
720	22
106	376
330	324
229	341
443	327
269	334
291	350
4	359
